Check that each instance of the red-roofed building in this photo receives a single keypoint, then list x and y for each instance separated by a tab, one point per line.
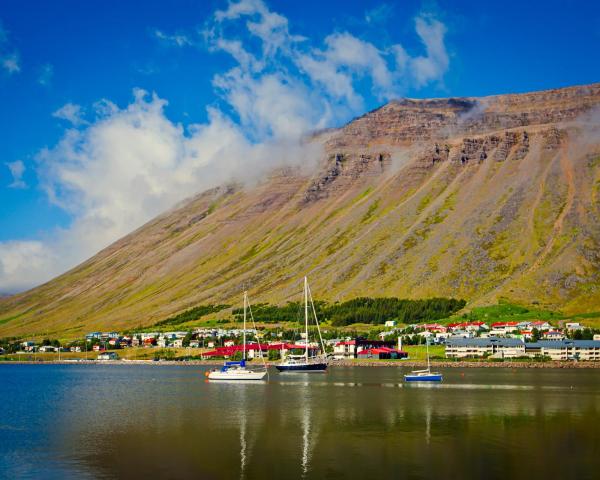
382	353
502	328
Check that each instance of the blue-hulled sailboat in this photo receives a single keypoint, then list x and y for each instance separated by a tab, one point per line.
424	375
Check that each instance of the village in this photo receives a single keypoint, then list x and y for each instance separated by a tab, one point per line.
537	340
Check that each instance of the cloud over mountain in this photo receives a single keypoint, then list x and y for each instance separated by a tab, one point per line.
121	166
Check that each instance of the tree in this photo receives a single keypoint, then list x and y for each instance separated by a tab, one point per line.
274	355
186	340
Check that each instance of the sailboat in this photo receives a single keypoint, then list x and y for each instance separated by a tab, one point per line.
424	375
306	363
238	370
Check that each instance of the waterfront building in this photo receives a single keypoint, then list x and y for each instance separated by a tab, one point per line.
565	349
108	356
48	348
352	348
483	347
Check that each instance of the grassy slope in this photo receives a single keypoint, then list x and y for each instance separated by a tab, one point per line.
524	229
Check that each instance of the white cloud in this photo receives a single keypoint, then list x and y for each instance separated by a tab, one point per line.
434	65
379	14
178	40
70	112
10	62
9	58
128	166
17	169
46	74
14	255
125	165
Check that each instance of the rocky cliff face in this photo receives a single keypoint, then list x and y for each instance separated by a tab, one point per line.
474	198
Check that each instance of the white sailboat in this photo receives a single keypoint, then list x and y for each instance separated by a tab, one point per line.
424	375
238	370
306	362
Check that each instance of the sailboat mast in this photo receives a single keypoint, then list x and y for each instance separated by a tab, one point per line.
306	314
244	331
427	347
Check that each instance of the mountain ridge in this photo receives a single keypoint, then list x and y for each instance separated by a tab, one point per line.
481	198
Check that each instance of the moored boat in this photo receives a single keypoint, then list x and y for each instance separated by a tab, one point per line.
306	363
236	371
424	375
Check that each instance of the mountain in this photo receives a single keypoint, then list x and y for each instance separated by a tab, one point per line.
477	198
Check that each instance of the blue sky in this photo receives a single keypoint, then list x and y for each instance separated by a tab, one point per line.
230	80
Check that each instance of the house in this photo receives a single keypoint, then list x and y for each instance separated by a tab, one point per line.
541	325
229	343
503	328
149	342
75	349
178	343
573	326
432	327
351	348
108	356
2	351
483	347
468	326
194	344
28	346
597	337
162	342
135	342
553	335
48	348
390	323
565	349
98	348
382	353
344	349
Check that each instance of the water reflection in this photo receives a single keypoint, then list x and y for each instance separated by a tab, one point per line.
110	422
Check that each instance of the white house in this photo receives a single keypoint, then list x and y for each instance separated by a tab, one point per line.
108	356
390	323
48	348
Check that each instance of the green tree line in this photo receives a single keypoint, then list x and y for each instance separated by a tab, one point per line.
360	310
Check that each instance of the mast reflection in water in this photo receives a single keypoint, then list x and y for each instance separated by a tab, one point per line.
118	421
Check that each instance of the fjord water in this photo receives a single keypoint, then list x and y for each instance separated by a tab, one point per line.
166	421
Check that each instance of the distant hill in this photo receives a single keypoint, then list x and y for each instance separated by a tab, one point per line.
488	198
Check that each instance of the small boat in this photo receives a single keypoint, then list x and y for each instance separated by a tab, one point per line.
306	363
424	375
237	370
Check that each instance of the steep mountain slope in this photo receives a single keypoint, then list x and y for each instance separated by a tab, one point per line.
473	198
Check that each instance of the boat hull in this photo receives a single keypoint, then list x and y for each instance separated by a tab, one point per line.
311	367
423	378
233	376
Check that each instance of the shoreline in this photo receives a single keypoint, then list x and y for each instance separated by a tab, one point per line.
334	363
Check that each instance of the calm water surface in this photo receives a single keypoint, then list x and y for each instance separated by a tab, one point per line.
119	421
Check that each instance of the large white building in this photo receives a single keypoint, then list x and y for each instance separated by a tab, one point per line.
482	347
565	349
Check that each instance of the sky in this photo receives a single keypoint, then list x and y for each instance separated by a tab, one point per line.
112	112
